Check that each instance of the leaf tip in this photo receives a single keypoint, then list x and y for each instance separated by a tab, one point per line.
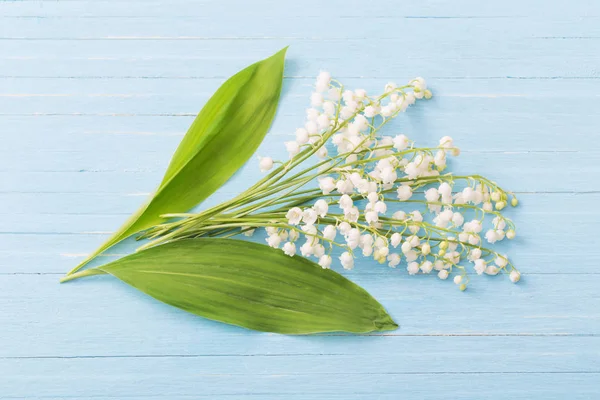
385	323
280	54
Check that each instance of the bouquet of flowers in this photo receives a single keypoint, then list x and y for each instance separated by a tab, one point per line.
348	189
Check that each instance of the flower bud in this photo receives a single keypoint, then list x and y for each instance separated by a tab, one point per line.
372	197
510	234
514	202
463	287
501	261
491	270
329	232
500	205
344	227
347	260
325	261
413	268
274	241
293	235
427	267
395	239
322	152
514	276
394	260
301	136
289	249
265	164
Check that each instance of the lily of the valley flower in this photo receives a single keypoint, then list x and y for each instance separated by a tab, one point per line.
368	193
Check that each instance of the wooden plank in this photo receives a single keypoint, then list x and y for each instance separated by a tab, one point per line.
408	373
463	9
101	316
454	65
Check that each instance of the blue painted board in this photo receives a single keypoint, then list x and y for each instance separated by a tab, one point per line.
96	94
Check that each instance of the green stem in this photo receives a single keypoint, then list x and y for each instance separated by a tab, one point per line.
81	274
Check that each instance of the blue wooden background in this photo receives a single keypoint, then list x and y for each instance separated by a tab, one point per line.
96	94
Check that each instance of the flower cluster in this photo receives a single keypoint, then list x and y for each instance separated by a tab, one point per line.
378	196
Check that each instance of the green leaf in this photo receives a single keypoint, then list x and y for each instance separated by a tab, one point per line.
223	136
250	285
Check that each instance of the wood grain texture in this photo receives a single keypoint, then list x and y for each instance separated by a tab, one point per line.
96	94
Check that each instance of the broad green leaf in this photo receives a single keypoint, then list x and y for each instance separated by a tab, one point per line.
223	136
250	285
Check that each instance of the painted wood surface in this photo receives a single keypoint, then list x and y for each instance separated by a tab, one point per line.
96	94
